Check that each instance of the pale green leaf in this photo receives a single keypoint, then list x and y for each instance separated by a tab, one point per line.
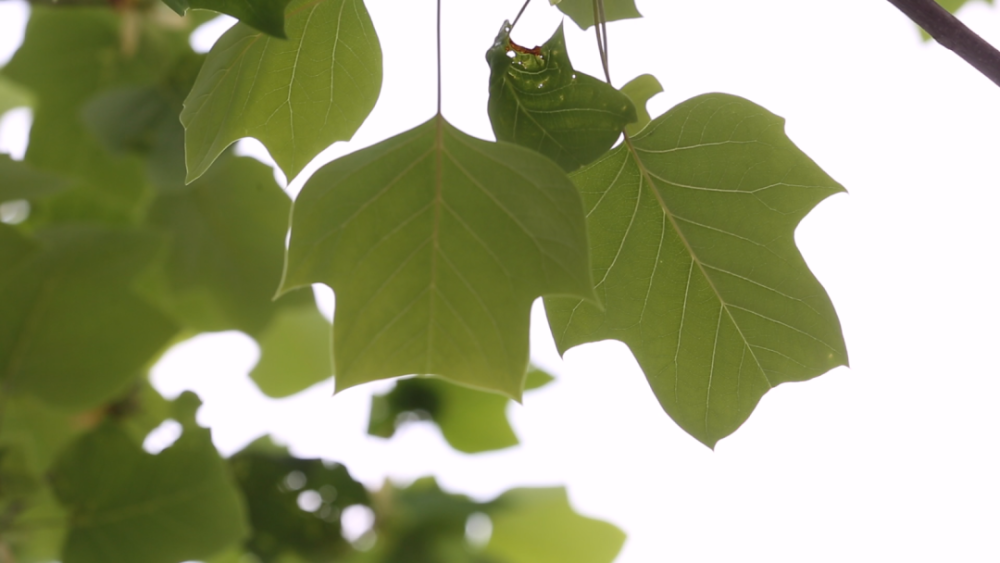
582	11
72	333
12	96
294	352
18	180
126	506
640	89
436	244
265	15
537	100
692	235
540	526
297	96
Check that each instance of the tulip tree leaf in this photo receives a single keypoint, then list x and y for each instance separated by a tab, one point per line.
436	243
470	420
18	180
537	100
72	332
127	505
534	525
266	15
640	89
696	263
582	11
297	96
227	231
294	352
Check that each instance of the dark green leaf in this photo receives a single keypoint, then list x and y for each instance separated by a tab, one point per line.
127	506
72	333
640	89
297	96
294	352
540	102
696	264
472	421
265	15
539	525
582	11
227	233
436	244
20	181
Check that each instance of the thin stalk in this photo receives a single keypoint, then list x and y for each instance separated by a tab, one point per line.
602	37
526	2
439	55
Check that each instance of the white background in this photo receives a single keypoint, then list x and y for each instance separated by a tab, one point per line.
894	459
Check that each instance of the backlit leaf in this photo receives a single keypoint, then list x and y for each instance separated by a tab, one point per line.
537	100
127	506
696	263
436	244
640	89
72	333
294	351
582	11
265	15
297	96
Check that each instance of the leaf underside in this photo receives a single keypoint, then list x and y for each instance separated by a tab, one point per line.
436	244
692	241
540	102
297	96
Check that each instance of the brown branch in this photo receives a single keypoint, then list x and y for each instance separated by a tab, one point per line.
953	34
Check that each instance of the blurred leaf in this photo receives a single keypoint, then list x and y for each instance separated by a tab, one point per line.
12	96
36	535
471	421
72	333
19	181
294	352
272	483
436	243
582	11
540	526
228	238
538	101
40	429
265	15
297	96
640	89
127	506
692	234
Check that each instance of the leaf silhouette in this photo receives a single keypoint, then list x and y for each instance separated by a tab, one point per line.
691	232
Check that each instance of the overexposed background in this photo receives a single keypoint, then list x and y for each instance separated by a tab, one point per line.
894	459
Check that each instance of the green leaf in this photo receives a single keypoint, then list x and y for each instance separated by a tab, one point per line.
228	239
272	482
696	264
72	333
540	102
539	525
127	506
13	96
297	96
266	15
294	352
436	244
640	89
20	181
470	420
582	11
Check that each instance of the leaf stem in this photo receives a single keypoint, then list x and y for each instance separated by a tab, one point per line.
601	31
526	2
439	56
954	35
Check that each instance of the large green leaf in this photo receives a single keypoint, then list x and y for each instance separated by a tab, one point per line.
436	244
537	100
265	15
539	525
72	333
640	89
696	265
297	96
228	239
582	11
127	506
471	421
18	180
294	351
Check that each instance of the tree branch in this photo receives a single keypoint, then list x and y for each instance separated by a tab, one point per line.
953	34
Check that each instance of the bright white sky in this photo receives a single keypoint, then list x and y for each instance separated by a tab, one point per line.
894	459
